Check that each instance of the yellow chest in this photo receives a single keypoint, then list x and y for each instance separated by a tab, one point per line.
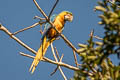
59	24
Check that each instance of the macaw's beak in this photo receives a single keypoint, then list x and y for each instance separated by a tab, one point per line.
71	19
68	17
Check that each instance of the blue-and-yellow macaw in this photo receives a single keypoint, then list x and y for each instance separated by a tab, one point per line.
51	35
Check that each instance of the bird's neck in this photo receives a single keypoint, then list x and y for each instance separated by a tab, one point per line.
60	20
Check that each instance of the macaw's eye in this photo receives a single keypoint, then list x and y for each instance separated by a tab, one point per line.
68	17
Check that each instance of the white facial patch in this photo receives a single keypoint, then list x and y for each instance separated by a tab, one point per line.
68	17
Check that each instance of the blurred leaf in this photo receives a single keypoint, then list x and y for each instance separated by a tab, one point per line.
100	8
91	57
82	45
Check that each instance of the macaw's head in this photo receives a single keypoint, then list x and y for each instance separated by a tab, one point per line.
67	16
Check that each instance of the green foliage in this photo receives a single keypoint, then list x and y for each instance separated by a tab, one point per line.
111	21
95	63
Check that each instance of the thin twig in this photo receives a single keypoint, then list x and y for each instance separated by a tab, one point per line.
54	71
57	53
52	48
75	58
57	61
23	54
61	58
53	8
37	17
97	37
26	28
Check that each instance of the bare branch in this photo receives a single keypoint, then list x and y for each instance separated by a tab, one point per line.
75	58
61	58
52	48
27	55
37	17
26	28
57	53
53	8
54	70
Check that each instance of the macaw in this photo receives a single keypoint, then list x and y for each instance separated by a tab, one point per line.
51	35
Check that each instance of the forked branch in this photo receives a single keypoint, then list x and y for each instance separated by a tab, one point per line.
57	61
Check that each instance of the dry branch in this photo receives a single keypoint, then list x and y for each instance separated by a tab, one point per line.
75	58
57	53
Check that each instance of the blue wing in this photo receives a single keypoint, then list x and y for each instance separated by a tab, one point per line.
47	25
